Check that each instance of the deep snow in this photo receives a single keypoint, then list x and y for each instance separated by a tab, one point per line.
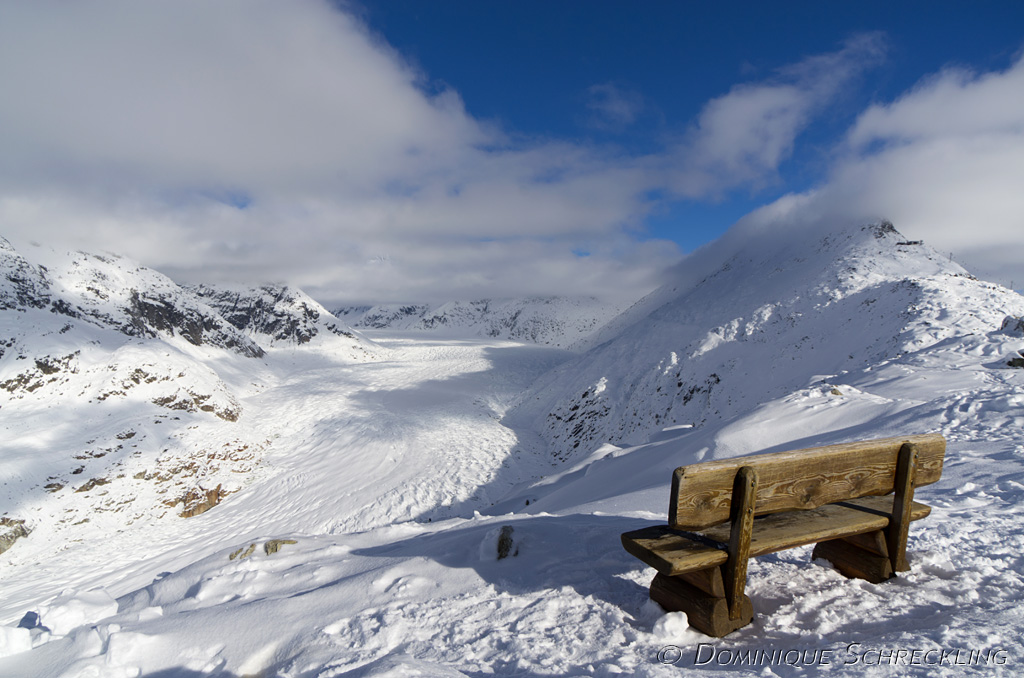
397	476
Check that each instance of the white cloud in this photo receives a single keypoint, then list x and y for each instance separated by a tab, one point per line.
134	126
255	93
742	137
945	163
612	107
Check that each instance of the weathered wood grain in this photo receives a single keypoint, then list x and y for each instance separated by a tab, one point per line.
740	527
801	479
899	526
707	614
709	581
872	542
672	552
853	561
669	552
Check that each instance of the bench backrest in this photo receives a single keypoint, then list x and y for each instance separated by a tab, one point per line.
800	479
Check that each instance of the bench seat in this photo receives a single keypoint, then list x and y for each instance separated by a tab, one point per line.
672	552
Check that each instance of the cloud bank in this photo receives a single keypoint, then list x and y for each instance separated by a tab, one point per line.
256	140
944	162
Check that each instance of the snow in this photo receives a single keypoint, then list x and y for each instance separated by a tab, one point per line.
394	508
562	322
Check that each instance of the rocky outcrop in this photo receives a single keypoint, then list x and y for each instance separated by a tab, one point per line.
11	530
114	293
274	314
198	500
1013	326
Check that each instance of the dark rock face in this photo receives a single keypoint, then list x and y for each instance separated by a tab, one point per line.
153	314
277	312
22	285
281	313
1013	326
91	289
11	530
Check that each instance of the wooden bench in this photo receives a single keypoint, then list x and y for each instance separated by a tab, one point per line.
721	513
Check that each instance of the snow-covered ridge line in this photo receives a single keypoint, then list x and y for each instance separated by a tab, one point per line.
122	394
276	314
113	293
766	318
554	321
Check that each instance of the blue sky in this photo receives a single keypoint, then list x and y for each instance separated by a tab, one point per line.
532	65
410	150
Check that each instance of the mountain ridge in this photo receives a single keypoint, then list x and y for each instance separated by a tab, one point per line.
703	347
558	321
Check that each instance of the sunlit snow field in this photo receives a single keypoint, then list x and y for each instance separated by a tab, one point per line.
383	474
401	503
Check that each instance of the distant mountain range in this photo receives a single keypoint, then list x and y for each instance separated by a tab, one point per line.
555	321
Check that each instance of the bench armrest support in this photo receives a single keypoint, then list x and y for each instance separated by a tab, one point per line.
744	495
899	524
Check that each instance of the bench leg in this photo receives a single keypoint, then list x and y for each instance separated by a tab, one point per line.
706	612
863	556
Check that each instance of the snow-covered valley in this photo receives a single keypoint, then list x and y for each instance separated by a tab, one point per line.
395	503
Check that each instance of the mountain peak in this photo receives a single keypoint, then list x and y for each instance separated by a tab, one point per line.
755	316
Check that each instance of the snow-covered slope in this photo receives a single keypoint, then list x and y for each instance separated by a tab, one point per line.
554	321
770	316
400	523
121	393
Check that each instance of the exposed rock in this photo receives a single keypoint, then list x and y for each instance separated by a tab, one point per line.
279	313
274	545
242	556
152	313
197	501
22	285
1013	326
506	544
11	530
91	483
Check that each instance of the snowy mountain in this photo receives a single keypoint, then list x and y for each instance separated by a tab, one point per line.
112	293
276	314
763	319
430	512
553	321
121	392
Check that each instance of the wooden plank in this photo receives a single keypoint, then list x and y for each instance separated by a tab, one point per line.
740	528
853	561
672	553
801	479
707	614
709	581
872	542
899	525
